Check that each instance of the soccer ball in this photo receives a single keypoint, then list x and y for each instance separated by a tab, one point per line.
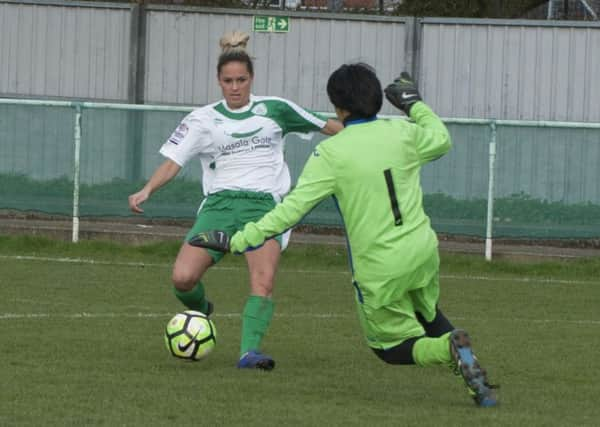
190	335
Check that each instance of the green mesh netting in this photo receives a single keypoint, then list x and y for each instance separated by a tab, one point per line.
547	183
36	158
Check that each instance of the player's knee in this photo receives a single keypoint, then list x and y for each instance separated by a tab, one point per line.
262	282
184	279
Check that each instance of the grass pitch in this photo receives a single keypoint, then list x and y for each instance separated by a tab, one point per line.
82	325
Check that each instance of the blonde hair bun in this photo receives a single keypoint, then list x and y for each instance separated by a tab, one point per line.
234	40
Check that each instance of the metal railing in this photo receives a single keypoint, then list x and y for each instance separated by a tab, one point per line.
78	107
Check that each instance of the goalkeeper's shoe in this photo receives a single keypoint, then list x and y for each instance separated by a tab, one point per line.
468	366
256	360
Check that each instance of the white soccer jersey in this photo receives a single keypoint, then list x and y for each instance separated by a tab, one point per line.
241	149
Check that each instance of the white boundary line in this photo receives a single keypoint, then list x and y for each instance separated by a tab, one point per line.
519	279
301	271
139	315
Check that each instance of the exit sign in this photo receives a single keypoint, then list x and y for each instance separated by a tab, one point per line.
272	24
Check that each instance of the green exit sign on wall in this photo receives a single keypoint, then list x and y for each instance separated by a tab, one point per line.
272	24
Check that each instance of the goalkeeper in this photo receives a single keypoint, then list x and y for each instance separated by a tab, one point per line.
371	169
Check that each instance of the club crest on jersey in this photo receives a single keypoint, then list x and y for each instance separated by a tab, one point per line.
259	109
179	133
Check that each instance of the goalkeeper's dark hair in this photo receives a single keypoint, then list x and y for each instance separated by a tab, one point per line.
356	89
233	49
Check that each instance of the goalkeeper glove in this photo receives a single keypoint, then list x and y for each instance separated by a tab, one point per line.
216	240
403	93
249	238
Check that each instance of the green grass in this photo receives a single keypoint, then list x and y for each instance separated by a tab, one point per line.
82	343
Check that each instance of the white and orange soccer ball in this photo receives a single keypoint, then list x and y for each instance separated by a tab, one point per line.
190	335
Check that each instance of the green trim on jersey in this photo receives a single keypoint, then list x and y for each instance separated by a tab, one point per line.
288	119
220	107
246	134
278	110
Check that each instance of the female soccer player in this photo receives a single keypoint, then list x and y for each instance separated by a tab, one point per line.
239	141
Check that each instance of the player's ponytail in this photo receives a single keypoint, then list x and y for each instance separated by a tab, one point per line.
233	48
235	40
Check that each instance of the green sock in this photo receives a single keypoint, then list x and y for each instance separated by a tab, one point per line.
432	351
193	299
256	318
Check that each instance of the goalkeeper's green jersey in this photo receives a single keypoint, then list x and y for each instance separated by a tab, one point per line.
371	168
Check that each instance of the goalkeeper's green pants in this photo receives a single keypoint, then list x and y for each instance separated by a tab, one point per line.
389	325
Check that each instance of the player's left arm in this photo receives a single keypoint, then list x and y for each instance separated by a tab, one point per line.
332	127
316	183
294	118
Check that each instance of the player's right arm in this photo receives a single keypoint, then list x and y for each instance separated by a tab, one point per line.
189	139
163	174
